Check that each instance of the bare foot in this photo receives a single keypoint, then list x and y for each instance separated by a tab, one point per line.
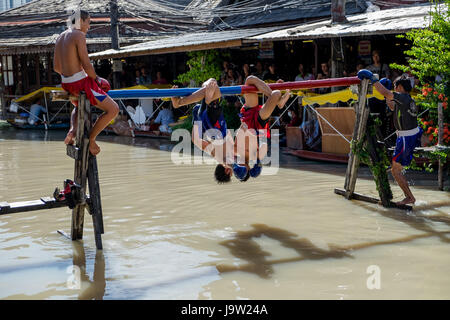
94	148
70	137
284	98
407	200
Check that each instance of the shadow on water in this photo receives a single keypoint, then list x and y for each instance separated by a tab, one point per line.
244	247
416	219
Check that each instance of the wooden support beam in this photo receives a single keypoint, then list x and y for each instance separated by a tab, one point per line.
95	204
361	197
362	114
73	152
25	206
440	143
82	143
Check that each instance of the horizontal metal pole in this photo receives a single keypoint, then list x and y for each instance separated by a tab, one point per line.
233	90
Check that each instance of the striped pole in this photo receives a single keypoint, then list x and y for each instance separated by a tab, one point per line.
233	90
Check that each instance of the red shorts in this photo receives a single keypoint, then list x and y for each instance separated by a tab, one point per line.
250	116
86	84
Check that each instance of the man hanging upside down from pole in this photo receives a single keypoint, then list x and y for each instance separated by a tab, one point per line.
405	121
255	125
72	62
208	119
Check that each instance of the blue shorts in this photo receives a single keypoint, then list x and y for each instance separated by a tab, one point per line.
404	148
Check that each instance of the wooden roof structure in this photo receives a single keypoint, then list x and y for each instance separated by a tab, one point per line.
34	27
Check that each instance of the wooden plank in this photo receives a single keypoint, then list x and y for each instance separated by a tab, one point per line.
95	207
362	114
33	205
59	95
361	197
4	207
73	152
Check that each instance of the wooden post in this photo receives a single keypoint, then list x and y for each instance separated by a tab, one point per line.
362	114
82	143
95	205
440	143
381	177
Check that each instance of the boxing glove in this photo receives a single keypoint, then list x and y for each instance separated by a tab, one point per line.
256	170
103	84
366	74
240	172
386	83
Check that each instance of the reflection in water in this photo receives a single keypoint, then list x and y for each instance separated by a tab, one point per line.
95	289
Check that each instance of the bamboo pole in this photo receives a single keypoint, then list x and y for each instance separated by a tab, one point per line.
362	114
440	143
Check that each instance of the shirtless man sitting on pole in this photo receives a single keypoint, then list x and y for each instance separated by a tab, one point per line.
71	61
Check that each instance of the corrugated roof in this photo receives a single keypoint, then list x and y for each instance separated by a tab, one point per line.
389	21
191	41
279	12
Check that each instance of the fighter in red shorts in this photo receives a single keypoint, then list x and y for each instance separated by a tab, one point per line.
255	120
72	62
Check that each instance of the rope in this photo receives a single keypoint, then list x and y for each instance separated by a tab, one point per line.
329	123
396	131
286	109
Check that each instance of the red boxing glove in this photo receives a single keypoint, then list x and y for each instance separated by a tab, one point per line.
103	84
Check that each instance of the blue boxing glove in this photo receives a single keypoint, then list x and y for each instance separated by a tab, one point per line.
366	74
386	83
240	172
256	170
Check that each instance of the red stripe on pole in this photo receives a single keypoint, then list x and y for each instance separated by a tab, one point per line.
309	84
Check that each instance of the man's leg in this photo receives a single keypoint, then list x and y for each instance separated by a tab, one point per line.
403	184
73	127
270	105
111	109
276	99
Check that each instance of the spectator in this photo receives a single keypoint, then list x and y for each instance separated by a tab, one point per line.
245	73
377	67
295	117
359	66
324	74
302	74
271	74
314	72
35	111
145	78
159	79
137	80
325	71
259	70
224	74
165	117
231	78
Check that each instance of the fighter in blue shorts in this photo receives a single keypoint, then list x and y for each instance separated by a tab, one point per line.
405	121
209	131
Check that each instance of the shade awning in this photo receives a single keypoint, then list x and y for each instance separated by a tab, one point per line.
184	43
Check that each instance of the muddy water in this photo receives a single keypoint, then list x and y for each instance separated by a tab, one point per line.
172	233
